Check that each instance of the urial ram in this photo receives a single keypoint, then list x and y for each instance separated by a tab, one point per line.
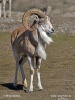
29	43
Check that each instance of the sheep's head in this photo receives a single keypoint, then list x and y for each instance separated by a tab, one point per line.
39	17
46	25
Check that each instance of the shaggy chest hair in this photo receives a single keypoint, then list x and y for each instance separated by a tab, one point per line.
44	40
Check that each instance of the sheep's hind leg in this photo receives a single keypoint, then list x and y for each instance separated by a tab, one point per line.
24	81
16	72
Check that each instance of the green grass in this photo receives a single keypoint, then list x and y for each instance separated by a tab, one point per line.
57	72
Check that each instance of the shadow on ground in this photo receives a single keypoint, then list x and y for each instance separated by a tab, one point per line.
11	87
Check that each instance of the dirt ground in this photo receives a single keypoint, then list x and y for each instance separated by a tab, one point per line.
57	72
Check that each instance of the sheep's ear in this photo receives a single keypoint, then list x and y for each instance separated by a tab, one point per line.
48	10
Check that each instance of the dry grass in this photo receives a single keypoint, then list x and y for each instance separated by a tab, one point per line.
57	72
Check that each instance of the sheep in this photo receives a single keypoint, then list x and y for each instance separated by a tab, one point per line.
3	6
29	43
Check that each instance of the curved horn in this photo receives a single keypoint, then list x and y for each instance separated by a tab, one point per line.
28	14
48	10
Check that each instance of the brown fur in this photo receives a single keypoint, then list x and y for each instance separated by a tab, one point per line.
24	40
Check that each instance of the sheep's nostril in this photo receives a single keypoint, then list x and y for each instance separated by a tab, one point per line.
52	29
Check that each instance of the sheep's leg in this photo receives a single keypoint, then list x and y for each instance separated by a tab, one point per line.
21	62
4	3
16	56
31	63
38	63
16	72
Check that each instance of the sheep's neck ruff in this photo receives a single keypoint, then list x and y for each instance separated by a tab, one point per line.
40	50
44	36
44	39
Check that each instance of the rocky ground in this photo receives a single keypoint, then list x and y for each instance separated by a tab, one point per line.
62	16
9	24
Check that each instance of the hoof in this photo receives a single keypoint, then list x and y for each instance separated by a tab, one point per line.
40	88
30	90
25	89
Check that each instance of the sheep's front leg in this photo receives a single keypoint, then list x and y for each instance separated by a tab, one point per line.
31	63
38	63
